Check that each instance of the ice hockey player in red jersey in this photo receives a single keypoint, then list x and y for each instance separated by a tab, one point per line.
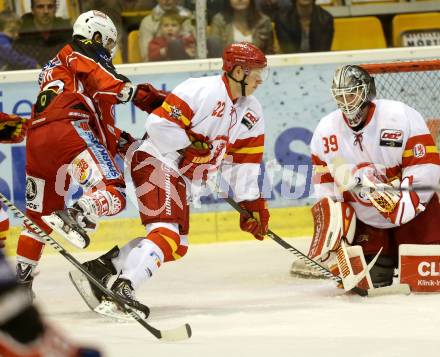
72	137
367	157
205	125
23	332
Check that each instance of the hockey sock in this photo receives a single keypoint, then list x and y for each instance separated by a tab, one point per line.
124	251
142	261
29	248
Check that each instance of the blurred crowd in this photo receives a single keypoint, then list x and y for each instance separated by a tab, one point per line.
32	31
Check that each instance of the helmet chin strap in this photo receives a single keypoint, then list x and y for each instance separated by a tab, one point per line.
242	83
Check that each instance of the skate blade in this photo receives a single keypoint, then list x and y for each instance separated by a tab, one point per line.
56	223
110	309
82	285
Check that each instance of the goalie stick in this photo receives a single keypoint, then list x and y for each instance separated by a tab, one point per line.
387	290
327	273
177	334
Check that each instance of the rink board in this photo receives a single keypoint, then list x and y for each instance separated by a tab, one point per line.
209	227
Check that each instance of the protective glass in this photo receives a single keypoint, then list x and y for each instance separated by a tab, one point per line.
350	101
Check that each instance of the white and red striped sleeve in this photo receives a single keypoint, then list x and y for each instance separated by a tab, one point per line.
420	158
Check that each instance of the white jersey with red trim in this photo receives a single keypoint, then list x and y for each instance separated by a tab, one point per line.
202	109
395	142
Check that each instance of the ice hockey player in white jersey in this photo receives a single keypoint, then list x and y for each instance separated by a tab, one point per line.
204	125
366	155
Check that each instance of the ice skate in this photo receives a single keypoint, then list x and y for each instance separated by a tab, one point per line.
25	278
102	269
123	289
72	224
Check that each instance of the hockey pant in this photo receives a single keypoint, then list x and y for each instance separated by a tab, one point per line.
163	209
58	154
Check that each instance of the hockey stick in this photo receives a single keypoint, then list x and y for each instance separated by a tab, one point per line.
177	334
310	262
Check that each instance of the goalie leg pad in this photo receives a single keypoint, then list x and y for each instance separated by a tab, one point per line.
419	267
332	222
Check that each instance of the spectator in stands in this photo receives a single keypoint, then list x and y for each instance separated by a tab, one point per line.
171	42
150	24
241	21
138	5
305	28
212	7
9	31
43	34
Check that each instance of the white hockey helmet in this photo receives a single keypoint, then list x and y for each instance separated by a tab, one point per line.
352	89
89	23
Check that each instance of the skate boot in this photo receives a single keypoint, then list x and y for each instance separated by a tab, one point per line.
125	292
25	278
72	224
102	269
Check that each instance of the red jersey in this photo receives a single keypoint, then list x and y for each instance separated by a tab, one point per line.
85	80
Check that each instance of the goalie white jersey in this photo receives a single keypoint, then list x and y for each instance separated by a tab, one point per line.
395	142
202	109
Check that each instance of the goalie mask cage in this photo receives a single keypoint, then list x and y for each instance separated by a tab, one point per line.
415	83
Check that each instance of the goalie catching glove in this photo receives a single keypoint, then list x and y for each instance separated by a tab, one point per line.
256	219
397	205
12	128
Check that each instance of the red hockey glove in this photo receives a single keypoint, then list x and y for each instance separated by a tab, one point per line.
196	160
12	128
124	143
148	98
256	221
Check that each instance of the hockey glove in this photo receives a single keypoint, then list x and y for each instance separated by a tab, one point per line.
148	98
12	128
196	161
256	220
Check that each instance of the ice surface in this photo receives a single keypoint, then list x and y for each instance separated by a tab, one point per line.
241	301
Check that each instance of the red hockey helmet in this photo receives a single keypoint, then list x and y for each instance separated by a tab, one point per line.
243	54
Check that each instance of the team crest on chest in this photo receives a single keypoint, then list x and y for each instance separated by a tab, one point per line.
391	138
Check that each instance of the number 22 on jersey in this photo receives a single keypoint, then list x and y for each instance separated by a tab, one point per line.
330	143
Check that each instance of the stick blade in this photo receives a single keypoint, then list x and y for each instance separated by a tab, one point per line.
395	289
178	334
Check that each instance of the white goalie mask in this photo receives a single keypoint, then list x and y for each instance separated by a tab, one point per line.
89	23
352	89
